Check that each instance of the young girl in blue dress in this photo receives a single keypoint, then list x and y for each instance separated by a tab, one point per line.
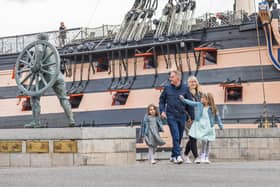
150	128
206	115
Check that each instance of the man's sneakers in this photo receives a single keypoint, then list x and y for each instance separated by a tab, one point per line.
178	160
172	159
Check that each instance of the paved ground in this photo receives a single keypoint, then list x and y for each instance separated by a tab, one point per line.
262	173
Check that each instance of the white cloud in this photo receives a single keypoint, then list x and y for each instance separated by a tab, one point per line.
29	16
24	1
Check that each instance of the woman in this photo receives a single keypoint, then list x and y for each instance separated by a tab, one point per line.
191	145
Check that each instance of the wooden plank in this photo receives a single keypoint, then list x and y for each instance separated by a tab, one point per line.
143	54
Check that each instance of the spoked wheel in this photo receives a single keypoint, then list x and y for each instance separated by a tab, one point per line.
37	68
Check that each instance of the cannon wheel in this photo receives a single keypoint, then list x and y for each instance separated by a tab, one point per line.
37	68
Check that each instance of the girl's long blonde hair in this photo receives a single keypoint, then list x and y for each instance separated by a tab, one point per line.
211	102
197	89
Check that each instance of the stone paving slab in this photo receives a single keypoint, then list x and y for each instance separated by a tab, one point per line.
164	173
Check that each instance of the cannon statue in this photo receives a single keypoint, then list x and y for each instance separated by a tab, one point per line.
37	69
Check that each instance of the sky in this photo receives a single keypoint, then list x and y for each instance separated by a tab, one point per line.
31	16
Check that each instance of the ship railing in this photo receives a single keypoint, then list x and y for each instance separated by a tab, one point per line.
220	19
259	121
15	44
97	33
268	121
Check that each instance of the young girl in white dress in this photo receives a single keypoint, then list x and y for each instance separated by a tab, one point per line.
206	115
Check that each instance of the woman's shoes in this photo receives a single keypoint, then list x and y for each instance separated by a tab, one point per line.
187	160
197	160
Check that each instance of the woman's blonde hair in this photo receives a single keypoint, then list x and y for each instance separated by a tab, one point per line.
211	102
197	89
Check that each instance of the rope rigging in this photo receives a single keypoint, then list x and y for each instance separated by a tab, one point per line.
188	60
74	64
121	83
176	19
156	66
137	22
112	70
90	67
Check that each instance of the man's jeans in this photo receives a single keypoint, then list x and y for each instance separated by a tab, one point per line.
177	128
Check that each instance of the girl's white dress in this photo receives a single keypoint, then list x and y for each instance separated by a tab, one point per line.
202	129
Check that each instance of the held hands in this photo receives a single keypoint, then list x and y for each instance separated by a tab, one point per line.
163	115
189	122
181	97
220	127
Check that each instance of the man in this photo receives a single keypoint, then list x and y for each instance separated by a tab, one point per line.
172	109
59	90
62	34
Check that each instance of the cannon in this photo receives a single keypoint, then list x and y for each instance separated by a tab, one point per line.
37	68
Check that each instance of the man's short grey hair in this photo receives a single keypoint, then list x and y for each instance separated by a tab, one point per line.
177	73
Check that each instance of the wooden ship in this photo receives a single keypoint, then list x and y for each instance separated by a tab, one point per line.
113	73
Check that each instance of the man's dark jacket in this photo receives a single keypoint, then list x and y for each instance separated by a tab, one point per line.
170	103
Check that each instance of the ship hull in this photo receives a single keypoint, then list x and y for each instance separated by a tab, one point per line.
238	56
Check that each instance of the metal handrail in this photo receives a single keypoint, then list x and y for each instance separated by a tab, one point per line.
16	43
133	123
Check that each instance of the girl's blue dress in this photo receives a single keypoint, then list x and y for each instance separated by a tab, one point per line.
202	129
